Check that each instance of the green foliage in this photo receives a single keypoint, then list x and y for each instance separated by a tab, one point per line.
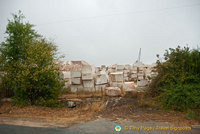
182	97
178	80
28	63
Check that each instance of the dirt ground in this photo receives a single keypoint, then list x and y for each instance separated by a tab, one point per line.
91	107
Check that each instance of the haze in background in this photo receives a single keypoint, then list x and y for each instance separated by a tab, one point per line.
110	31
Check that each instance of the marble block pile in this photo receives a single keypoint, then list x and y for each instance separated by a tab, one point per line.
101	79
91	78
127	72
133	74
87	78
66	76
76	81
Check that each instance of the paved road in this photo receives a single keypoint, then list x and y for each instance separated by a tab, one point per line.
101	126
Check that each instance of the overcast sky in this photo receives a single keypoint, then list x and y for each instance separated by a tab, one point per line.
110	31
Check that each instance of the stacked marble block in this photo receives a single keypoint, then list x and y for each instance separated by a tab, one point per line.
76	81
88	78
116	79
101	79
66	76
142	80
127	72
133	74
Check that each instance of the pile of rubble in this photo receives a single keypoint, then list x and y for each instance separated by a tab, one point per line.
79	75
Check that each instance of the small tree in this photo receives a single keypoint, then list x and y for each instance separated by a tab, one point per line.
28	65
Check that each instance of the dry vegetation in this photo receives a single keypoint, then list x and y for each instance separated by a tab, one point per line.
133	106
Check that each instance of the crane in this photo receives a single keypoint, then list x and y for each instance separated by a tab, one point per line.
139	56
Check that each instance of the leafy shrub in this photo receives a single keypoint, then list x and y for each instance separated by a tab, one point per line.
182	97
28	62
178	79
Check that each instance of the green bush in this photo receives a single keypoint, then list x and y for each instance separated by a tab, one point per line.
181	97
28	62
178	80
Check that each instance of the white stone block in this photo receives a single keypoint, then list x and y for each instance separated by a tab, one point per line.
75	74
102	79
142	83
86	69
129	86
113	91
88	83
66	74
116	77
76	81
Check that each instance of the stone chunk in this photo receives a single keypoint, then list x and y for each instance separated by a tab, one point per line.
66	74
86	69
75	74
102	79
113	91
71	104
88	83
142	83
129	86
116	77
76	81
